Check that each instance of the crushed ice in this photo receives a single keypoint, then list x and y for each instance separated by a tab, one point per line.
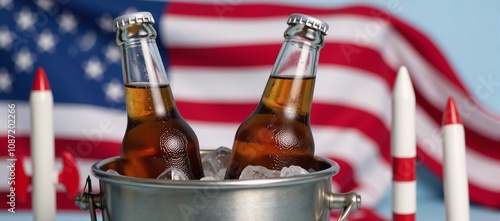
172	174
292	171
258	172
215	163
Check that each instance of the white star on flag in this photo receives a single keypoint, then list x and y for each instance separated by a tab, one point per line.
46	5
87	41
25	19
105	22
5	81
93	68
114	90
24	60
112	53
129	10
46	41
6	38
67	23
7	4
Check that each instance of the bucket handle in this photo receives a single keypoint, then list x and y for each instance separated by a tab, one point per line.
88	200
348	202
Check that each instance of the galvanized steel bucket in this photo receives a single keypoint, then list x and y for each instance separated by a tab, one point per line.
302	198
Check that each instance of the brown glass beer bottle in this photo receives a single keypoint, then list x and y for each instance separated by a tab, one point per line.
156	137
277	134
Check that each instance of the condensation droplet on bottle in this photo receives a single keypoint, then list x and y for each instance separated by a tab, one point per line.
287	140
173	141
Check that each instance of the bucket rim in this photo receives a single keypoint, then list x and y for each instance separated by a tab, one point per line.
98	171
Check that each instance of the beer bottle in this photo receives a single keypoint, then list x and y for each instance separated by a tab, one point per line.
277	134
156	137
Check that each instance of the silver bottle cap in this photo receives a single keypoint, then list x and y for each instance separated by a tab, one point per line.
308	21
128	19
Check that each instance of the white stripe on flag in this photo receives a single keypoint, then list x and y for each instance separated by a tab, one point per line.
76	121
224	84
213	135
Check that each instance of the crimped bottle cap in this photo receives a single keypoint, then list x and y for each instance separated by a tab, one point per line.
128	19
308	21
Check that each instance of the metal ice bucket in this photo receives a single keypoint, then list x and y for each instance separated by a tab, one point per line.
302	198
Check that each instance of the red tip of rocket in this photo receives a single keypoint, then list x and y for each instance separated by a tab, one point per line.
41	82
451	115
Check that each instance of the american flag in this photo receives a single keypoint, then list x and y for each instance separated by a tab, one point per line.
74	41
219	55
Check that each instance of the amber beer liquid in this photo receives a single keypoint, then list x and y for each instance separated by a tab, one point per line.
277	134
153	142
156	137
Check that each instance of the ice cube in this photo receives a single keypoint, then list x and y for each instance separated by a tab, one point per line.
216	160
172	174
112	172
209	173
258	172
292	171
220	175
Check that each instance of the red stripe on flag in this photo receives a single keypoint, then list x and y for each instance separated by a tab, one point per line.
223	10
403	169
255	55
94	149
354	56
215	112
345	178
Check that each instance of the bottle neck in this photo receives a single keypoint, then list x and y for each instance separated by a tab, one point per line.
291	84
148	95
141	59
299	53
